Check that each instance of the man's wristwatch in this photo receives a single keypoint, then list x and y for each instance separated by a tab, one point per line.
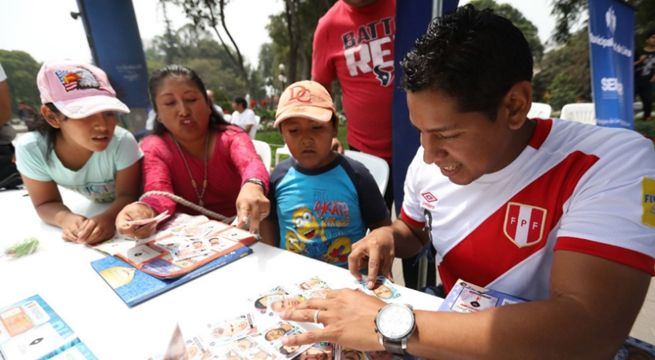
395	324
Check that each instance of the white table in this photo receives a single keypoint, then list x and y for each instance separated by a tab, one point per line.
61	273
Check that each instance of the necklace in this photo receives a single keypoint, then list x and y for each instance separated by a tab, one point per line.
199	194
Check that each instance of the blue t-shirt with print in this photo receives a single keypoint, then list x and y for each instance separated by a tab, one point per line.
320	212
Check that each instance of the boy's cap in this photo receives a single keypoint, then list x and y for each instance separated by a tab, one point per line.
77	90
307	99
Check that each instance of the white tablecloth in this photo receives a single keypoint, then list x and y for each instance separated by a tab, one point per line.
61	273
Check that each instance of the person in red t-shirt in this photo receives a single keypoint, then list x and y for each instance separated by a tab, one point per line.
353	44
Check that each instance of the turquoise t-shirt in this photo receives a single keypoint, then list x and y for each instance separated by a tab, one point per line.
322	212
95	180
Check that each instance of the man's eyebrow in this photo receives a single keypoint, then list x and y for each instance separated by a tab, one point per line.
438	129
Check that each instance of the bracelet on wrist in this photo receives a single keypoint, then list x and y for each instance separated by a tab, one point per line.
258	182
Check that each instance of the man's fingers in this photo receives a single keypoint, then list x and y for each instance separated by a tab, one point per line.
309	337
355	260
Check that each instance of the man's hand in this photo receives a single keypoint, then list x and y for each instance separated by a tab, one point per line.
348	316
125	224
375	252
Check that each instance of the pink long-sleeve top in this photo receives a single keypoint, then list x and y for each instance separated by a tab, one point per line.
232	162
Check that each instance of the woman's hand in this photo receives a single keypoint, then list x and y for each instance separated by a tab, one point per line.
135	211
348	316
252	206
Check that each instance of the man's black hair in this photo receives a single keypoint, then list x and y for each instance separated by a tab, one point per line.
474	56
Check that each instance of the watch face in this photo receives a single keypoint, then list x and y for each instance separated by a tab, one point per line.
395	321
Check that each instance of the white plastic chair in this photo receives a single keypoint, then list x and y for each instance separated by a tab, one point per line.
264	151
281	151
540	111
376	165
580	112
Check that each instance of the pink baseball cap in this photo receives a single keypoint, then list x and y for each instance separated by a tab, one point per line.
306	99
77	90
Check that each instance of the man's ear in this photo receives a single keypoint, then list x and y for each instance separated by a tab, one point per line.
50	116
517	103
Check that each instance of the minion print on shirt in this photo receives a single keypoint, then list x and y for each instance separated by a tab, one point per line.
319	214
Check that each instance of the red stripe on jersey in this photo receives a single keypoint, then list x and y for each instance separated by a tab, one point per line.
540	132
487	252
613	253
406	218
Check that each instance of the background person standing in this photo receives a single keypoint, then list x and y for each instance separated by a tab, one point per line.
645	73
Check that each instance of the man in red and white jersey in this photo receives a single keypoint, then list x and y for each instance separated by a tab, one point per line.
557	212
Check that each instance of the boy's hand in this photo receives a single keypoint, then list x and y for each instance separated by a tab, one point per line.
126	224
96	229
70	226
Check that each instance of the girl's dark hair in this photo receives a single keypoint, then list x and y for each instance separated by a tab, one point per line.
216	121
48	131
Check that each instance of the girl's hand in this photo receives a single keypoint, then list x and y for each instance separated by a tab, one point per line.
96	229
136	211
71	225
252	206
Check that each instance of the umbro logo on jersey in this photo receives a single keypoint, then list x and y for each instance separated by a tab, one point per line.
524	224
429	197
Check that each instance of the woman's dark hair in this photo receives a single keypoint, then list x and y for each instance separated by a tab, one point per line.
156	79
474	56
48	131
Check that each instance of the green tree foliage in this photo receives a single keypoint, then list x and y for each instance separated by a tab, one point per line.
569	13
291	34
197	49
21	69
565	74
530	31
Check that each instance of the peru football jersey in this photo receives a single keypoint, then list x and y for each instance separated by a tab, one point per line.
575	187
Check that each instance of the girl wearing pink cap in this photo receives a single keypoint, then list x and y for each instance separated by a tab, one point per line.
78	146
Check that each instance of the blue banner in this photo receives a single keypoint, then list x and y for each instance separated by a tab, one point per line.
412	19
611	42
113	35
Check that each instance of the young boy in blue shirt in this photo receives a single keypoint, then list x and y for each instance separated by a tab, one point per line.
321	202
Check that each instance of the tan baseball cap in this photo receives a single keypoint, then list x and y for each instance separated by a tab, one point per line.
306	99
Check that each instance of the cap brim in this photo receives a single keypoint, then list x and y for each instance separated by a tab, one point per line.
89	105
307	112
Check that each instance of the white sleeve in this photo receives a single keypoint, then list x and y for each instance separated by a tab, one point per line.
614	203
250	118
411	202
3	75
30	160
127	150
